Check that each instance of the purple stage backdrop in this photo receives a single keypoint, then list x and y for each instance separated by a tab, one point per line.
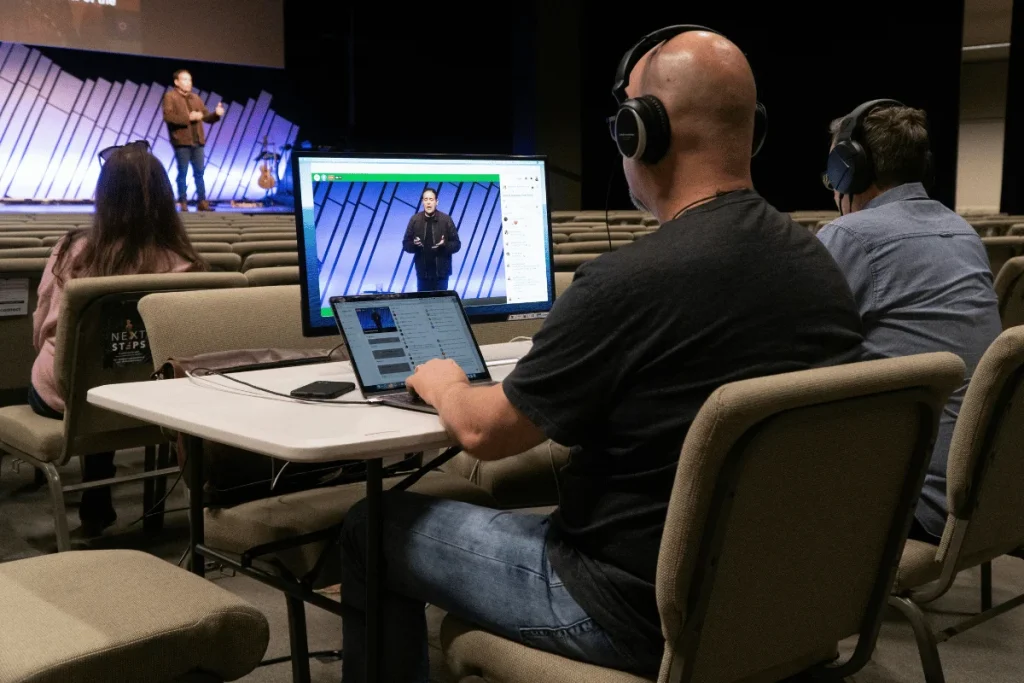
53	124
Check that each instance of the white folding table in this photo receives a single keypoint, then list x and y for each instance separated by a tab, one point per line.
225	412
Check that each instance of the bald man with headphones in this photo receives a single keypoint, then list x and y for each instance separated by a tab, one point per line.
617	373
918	271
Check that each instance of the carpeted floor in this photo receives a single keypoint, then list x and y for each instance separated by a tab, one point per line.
992	652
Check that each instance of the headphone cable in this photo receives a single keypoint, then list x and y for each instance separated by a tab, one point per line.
607	200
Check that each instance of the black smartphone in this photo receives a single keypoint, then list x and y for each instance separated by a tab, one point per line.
323	390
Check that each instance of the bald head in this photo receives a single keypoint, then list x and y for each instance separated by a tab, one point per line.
708	90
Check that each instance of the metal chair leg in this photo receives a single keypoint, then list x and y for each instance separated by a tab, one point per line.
297	639
926	644
986	586
60	517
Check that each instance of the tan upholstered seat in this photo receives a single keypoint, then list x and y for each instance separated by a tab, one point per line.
124	616
25	252
43	437
212	247
792	498
983	481
501	332
273	275
244	526
19	242
517	663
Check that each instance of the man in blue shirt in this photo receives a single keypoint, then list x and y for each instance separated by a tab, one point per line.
918	271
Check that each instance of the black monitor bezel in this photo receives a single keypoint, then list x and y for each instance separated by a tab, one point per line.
309	330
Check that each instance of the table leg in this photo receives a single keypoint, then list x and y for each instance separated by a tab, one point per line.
373	542
196	532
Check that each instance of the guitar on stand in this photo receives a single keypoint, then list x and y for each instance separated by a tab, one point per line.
268	171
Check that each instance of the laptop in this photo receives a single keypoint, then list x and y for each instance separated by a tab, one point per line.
388	335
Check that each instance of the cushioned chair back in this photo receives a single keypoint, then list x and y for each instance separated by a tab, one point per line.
226	263
985	471
1001	249
16	328
562	281
212	247
273	275
267	236
19	242
1009	288
243	249
792	500
101	340
25	252
271	259
226	319
499	333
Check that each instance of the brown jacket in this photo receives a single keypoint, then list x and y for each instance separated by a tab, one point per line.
185	133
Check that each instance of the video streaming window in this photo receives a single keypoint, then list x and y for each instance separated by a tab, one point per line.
385	226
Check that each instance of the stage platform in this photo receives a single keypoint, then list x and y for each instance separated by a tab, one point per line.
221	207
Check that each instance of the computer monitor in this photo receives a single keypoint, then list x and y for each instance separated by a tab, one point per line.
362	230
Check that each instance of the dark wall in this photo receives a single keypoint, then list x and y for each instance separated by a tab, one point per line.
1012	200
906	50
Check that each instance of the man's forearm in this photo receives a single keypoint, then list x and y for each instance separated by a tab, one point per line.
481	420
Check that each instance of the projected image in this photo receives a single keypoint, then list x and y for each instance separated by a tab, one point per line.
376	319
92	24
405	234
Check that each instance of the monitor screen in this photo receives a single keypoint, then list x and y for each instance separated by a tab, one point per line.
388	338
476	225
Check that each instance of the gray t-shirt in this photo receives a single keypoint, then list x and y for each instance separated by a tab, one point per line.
922	281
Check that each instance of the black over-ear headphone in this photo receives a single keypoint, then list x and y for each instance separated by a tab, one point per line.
849	168
640	126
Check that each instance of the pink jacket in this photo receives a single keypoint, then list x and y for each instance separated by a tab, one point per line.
44	321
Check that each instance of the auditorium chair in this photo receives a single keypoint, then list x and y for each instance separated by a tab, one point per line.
224	237
792	501
1009	287
983	492
595	246
270	259
266	236
25	252
16	332
87	315
590	236
272	276
244	249
212	247
562	281
270	317
19	242
229	263
570	262
1002	249
125	616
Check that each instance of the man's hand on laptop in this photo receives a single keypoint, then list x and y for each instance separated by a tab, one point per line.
434	378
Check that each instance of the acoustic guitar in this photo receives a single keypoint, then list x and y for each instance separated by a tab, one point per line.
267	180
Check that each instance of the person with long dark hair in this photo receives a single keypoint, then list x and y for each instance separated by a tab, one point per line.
135	230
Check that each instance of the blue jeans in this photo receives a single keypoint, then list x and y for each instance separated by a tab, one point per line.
489	567
194	155
431	284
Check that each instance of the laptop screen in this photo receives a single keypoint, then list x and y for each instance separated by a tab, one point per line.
388	336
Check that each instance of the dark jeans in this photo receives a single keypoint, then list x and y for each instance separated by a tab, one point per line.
918	533
97	506
195	156
489	567
431	284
